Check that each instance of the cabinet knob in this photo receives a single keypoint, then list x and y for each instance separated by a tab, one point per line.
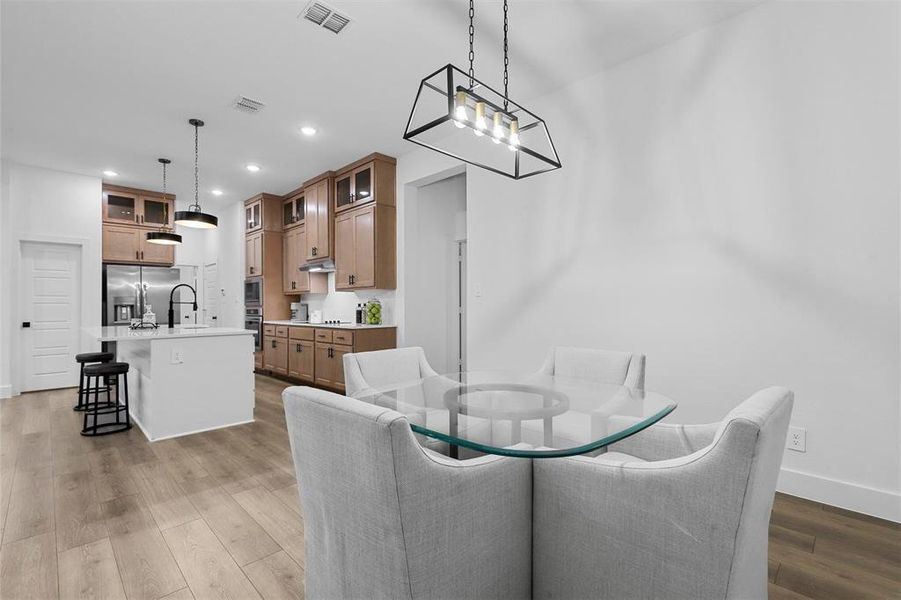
299	348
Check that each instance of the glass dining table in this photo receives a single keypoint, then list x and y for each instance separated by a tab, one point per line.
519	414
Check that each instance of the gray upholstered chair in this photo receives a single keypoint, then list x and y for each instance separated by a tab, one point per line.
602	366
365	370
385	518
671	512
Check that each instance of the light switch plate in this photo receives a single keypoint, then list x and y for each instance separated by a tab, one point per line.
797	439
178	356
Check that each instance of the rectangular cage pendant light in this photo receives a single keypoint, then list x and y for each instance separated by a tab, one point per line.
460	116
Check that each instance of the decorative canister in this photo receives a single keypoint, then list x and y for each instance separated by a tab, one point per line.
374	312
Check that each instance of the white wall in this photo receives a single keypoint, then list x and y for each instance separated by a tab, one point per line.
729	205
48	206
431	270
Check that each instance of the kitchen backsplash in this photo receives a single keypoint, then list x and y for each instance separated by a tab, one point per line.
342	305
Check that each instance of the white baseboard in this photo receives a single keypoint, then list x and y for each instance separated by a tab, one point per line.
859	498
6	391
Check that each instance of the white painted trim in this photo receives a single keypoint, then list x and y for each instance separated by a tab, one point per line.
851	496
169	437
6	391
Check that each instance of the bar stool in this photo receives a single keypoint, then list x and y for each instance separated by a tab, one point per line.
95	409
87	358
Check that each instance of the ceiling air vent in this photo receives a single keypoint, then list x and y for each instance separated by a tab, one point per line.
325	16
248	105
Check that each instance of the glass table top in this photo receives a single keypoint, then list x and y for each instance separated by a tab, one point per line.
520	414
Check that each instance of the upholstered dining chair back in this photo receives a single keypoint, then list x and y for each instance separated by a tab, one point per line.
385	518
364	370
602	366
671	512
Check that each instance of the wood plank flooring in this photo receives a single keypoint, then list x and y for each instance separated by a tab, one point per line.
217	515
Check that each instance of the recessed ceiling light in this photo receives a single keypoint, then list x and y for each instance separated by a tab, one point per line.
216	192
110	173
253	168
307	130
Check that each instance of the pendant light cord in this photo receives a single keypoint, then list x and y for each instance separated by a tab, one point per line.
196	185
472	54
506	59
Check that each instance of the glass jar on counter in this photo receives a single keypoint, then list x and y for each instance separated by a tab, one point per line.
373	314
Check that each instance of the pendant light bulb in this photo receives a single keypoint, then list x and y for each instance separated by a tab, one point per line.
460	108
514	135
481	123
498	131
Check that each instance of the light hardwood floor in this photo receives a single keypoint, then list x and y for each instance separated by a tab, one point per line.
216	515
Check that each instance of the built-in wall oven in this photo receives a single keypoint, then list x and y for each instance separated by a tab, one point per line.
253	291
253	320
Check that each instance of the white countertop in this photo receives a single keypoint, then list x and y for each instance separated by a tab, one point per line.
329	325
121	333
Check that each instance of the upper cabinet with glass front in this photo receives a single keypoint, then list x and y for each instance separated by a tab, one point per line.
370	179
263	213
293	209
127	206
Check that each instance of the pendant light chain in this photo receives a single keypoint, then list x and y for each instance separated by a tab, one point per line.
196	154
472	54
506	59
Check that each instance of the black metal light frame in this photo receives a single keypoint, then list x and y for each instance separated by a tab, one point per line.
163	237
546	155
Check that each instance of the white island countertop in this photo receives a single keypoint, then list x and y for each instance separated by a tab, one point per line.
328	325
122	333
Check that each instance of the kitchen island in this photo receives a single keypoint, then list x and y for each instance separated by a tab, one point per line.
187	379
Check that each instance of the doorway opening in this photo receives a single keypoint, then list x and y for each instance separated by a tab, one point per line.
435	265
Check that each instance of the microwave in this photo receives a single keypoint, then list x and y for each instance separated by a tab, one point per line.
253	291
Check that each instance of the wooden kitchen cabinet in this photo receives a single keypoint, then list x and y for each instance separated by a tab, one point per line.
263	213
318	219
293	209
130	206
275	354
253	254
368	180
295	281
128	244
329	365
301	359
365	248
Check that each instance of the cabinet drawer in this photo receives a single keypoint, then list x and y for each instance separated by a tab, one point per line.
323	335
281	331
343	337
300	333
268	329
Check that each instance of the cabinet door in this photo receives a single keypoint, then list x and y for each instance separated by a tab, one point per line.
343	191
253	216
322	219
363	189
344	251
311	222
156	253
248	256
338	353
121	244
301	359
323	365
156	211
288	215
270	352
289	258
120	207
281	356
364	247
253	255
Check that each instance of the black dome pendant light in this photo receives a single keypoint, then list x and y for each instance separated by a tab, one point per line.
194	217
163	237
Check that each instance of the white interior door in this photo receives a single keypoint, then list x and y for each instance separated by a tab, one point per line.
211	294
50	287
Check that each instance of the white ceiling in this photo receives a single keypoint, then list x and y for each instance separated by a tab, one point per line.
88	86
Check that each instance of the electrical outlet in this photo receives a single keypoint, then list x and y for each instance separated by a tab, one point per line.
797	439
178	356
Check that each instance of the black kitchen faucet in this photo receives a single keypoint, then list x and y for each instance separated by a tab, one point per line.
172	303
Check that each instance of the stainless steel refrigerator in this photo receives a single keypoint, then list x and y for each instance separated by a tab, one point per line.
127	290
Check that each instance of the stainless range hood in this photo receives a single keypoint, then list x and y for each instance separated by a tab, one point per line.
324	266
